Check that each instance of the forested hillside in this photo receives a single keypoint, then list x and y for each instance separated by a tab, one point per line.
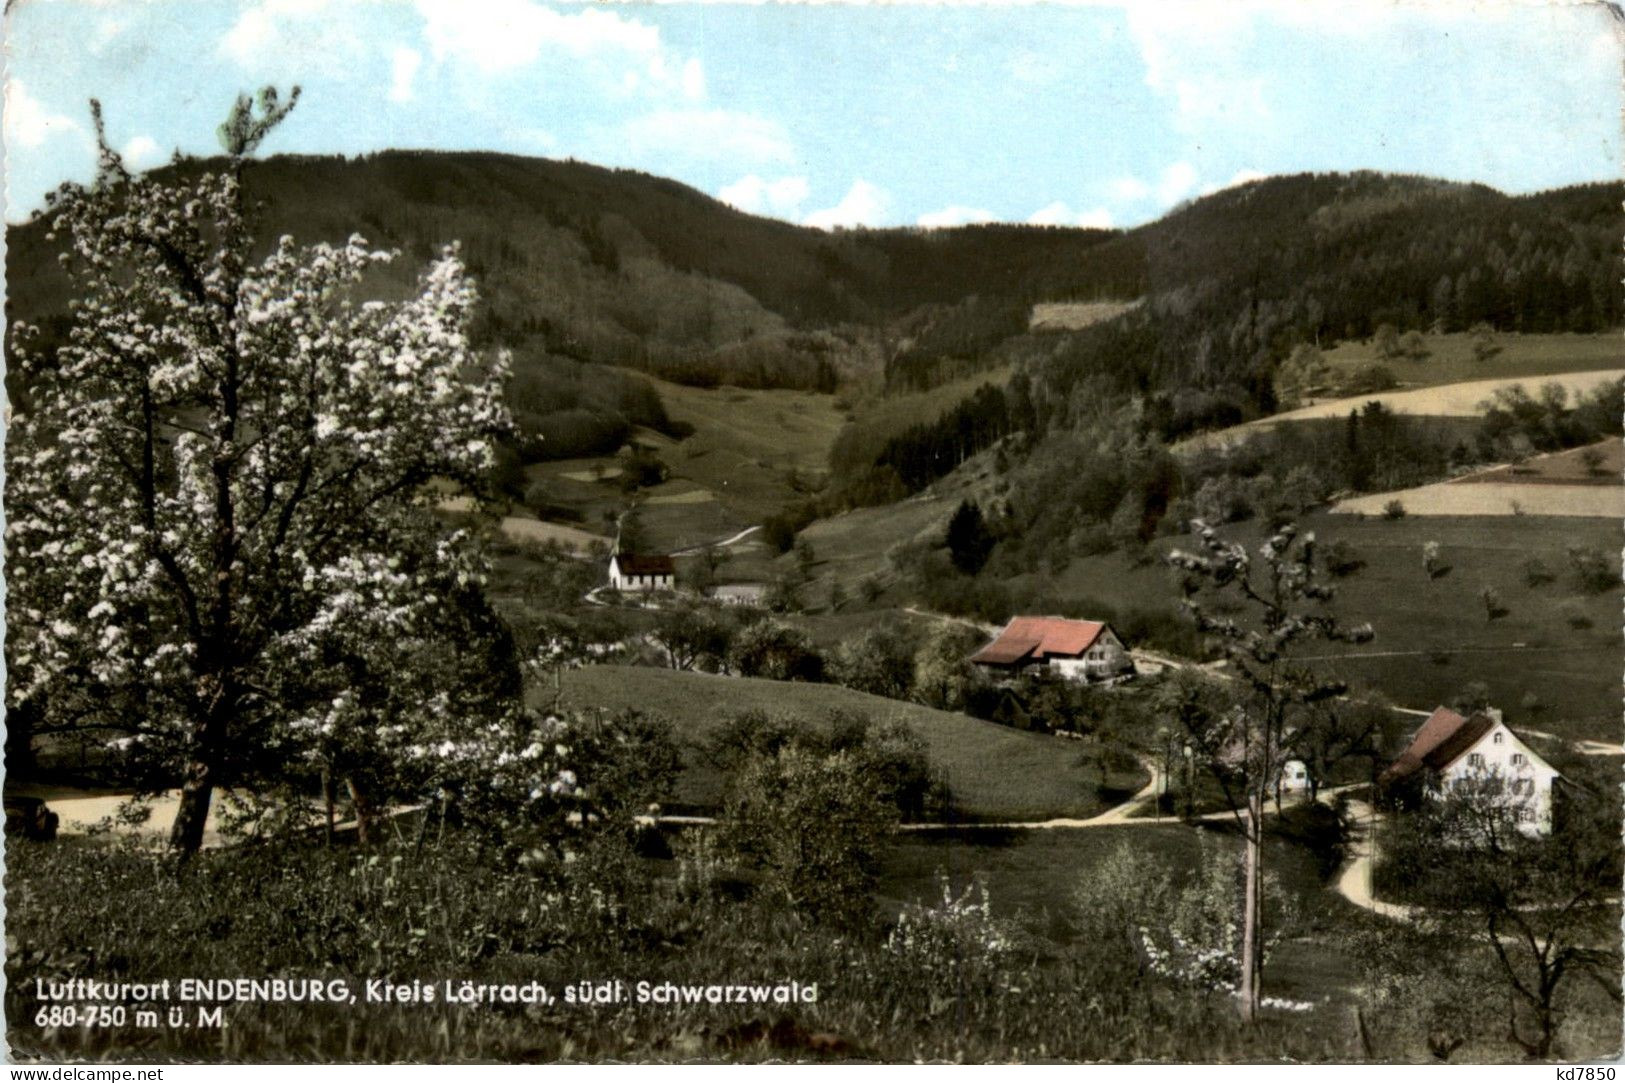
580	265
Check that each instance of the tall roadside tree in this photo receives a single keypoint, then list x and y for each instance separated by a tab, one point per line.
1246	727
218	542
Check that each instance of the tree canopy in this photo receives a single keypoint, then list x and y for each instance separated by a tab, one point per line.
217	487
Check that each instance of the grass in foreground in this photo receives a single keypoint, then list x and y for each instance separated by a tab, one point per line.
447	912
459	908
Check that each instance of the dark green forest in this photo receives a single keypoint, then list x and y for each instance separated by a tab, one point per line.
580	265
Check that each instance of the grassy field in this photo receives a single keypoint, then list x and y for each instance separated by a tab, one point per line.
855	546
746	444
995	773
1508	497
877	417
1076	315
752	453
1562	483
1459	399
1450	359
1434	635
1555	642
1563	467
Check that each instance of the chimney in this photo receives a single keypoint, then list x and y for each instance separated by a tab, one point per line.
1493	714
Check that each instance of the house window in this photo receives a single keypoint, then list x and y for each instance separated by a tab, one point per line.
1525	814
1499	737
1519	759
1475	759
1523	785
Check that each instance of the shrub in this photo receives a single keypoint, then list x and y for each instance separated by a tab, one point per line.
1342	559
1369	379
1189	935
1414	346
958	947
779	531
812	826
1593	571
641	470
1577	618
878	662
942	676
775	651
1393	510
1536	574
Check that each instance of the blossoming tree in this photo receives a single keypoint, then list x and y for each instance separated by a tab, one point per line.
218	543
1246	728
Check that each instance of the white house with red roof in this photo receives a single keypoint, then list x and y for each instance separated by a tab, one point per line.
1478	752
1082	650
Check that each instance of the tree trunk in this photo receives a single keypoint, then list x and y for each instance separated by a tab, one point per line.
1548	1029
197	793
363	811
1251	910
327	801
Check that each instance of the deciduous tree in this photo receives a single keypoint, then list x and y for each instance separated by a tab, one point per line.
1545	909
218	539
1245	727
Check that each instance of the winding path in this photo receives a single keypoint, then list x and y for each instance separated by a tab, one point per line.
695	550
1354	882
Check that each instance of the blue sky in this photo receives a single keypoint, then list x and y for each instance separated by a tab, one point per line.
840	115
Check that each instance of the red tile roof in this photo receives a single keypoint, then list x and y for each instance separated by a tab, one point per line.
1042	637
1444	736
1466	736
1005	651
651	565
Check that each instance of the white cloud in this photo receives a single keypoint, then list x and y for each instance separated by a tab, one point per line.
28	122
500	35
955	215
403	71
1241	176
1194	53
1176	182
781	198
719	135
693	79
1059	214
864	204
1129	189
275	28
140	151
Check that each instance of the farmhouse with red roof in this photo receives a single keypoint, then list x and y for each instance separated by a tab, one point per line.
1076	649
1452	753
